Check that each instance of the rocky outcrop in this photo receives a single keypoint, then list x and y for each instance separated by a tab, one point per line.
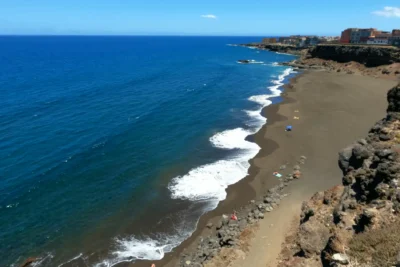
29	262
280	48
370	56
376	61
358	222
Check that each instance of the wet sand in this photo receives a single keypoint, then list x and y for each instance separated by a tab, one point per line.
334	110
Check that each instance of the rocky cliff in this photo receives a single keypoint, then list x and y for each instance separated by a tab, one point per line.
358	222
370	56
379	62
280	48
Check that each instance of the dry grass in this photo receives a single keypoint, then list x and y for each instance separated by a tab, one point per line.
378	247
355	263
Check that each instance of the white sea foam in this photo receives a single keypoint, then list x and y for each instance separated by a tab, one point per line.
256	62
280	53
42	261
252	61
261	99
71	260
210	181
257	119
204	183
264	100
131	248
233	139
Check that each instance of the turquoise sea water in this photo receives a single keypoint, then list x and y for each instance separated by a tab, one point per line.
111	148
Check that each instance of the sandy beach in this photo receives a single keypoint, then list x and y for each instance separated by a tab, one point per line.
333	110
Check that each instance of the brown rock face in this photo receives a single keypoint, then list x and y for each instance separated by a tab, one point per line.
370	56
357	223
313	237
29	262
394	99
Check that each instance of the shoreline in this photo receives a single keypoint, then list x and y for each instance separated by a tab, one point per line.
229	203
242	188
274	152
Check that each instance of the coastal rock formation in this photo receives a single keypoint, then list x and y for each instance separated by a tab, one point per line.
370	56
358	222
280	48
379	62
29	262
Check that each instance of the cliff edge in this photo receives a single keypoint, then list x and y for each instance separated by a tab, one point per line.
376	61
368	55
358	222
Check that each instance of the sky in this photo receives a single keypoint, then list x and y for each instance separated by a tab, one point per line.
194	17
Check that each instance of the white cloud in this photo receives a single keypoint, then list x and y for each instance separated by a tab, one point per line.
210	16
388	11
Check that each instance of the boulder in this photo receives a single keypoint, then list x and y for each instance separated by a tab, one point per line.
344	158
28	262
384	137
340	258
360	152
393	98
313	237
225	219
268	200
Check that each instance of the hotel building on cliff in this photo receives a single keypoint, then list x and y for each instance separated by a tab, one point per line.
370	36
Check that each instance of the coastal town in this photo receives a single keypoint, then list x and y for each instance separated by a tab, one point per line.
350	36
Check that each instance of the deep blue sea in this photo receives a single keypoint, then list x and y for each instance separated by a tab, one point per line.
111	148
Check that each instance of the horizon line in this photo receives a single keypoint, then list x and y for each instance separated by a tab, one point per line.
152	35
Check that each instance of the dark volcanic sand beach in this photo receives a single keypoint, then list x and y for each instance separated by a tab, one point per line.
334	110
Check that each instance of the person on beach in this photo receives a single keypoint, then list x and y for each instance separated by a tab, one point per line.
153	265
233	216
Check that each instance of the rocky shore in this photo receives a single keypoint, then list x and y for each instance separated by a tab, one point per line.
368	55
354	224
358	222
280	48
330	104
378	62
228	239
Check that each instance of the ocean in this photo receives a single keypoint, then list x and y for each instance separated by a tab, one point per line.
111	148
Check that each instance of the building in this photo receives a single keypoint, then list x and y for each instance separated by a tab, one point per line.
346	36
394	39
269	41
380	39
302	42
312	40
357	36
361	36
287	40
